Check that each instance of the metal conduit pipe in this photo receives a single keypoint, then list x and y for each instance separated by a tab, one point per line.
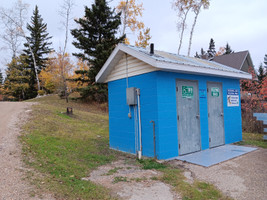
140	126
154	138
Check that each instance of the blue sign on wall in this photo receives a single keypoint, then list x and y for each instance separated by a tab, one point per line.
232	92
202	93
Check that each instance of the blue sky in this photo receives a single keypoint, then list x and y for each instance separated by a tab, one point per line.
241	23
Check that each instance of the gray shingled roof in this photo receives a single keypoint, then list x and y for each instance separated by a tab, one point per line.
235	60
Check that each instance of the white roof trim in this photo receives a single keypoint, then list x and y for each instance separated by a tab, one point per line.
103	73
200	70
162	65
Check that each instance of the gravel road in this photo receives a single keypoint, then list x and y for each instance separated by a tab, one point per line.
12	171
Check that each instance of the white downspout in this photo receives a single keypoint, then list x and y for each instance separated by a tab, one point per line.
140	127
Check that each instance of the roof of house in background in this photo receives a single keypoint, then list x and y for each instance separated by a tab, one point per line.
236	60
169	62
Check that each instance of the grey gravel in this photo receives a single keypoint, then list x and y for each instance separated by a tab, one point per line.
12	171
242	178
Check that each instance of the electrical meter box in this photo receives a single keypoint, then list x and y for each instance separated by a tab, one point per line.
131	96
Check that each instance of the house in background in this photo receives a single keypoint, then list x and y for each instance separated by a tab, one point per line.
193	104
239	60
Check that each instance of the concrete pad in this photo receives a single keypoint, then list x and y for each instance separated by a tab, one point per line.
215	155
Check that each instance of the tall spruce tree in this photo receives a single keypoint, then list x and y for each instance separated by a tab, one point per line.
96	37
211	51
17	78
40	46
261	73
228	49
265	61
1	78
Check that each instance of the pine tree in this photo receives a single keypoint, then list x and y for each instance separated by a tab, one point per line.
196	55
1	78
17	79
228	49
211	51
261	73
265	61
96	38
203	54
40	45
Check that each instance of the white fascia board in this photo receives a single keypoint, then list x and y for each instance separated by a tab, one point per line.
200	70
103	71
107	67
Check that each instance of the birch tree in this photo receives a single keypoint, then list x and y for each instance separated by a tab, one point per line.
65	13
130	14
183	7
18	22
12	19
196	7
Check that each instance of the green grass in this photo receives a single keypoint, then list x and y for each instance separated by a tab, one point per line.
151	164
66	148
253	139
119	179
63	149
113	171
196	191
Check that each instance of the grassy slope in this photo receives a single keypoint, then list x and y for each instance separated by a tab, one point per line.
65	149
253	139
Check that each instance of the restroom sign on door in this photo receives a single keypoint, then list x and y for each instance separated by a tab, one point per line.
187	92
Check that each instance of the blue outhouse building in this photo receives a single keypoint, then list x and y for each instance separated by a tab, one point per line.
165	105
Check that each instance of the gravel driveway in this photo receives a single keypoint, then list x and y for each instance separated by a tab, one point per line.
12	171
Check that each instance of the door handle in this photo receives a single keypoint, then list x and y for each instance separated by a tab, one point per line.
197	116
222	114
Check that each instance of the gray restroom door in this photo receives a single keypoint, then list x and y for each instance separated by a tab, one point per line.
188	116
215	114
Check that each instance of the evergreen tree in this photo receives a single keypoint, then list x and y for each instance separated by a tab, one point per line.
40	45
1	78
17	79
96	38
228	49
197	56
261	73
203	54
265	61
211	51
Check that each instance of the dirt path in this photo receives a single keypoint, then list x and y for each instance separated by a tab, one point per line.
130	182
12	171
243	178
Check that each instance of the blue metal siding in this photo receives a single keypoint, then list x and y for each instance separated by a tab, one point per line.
167	113
158	103
122	128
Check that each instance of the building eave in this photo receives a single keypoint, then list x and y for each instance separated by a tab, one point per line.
122	49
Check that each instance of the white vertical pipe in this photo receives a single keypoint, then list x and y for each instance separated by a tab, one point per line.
140	127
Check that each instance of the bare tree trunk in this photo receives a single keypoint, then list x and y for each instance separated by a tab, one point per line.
125	13
182	32
65	12
192	31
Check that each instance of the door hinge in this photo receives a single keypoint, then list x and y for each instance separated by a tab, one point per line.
209	139
177	89
178	117
207	89
179	146
208	114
